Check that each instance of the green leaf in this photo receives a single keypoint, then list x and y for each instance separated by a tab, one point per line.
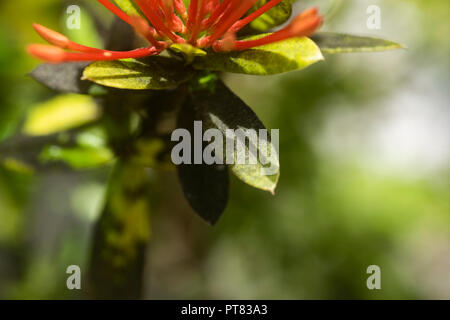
222	109
59	114
155	73
206	189
280	57
189	52
16	165
81	148
87	149
272	18
187	49
77	157
205	186
129	7
332	43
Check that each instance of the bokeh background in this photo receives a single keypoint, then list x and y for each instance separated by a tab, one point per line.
365	176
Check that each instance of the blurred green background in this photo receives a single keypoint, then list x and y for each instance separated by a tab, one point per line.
365	149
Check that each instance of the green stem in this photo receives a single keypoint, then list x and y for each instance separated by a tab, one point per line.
121	236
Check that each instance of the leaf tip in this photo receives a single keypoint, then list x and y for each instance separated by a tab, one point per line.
401	46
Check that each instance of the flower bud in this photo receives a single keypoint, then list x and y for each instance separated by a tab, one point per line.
47	53
52	36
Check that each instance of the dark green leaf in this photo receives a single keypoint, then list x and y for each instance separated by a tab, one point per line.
205	186
222	109
206	189
332	43
280	57
63	77
153	73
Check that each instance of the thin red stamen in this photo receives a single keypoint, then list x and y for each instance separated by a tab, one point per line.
197	21
167	6
142	27
192	14
205	23
119	13
216	14
112	55
180	8
55	54
60	40
212	5
178	24
149	9
230	17
300	28
167	10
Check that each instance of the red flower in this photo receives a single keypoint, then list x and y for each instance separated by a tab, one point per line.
206	23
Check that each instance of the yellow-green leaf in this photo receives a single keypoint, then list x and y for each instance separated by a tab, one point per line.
155	73
189	52
80	148
129	7
280	57
77	157
187	49
272	18
61	113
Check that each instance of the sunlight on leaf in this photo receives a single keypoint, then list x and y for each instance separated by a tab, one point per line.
274	17
61	113
129	7
77	157
17	166
280	57
187	49
189	52
223	110
155	73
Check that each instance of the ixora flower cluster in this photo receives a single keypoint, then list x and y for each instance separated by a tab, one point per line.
190	44
204	24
